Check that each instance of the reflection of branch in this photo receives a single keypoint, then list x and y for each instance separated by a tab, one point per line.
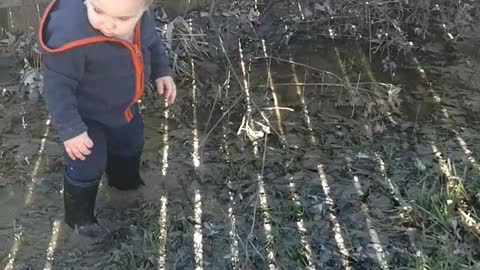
9	83
237	78
300	64
202	144
387	86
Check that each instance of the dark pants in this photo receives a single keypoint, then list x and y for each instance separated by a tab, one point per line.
125	141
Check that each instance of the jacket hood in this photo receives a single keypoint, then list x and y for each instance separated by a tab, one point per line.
65	26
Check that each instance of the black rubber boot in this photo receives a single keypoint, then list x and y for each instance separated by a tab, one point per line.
123	173
80	209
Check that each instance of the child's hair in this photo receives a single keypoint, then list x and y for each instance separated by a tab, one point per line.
149	2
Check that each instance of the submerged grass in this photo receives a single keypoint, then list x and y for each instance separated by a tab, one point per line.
149	240
440	237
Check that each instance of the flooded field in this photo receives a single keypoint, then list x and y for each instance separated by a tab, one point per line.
308	157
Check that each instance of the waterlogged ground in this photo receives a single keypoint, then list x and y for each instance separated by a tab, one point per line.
309	158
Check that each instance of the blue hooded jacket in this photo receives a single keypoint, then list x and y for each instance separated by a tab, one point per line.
88	76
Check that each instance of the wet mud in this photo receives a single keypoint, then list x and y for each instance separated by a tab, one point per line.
310	158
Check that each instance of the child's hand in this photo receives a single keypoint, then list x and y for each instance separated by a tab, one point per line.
79	147
166	85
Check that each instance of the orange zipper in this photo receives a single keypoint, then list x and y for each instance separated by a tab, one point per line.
137	58
135	52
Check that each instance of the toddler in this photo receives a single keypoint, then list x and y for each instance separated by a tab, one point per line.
98	55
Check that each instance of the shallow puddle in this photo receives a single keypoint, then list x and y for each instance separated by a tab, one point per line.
311	178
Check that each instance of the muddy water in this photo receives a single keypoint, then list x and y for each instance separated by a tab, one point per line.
179	8
8	64
351	67
31	169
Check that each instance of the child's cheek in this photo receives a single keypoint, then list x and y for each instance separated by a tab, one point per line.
126	28
94	20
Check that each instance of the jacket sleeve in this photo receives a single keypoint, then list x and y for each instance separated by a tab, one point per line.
61	74
160	59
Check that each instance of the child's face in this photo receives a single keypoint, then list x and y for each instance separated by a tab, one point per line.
115	18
